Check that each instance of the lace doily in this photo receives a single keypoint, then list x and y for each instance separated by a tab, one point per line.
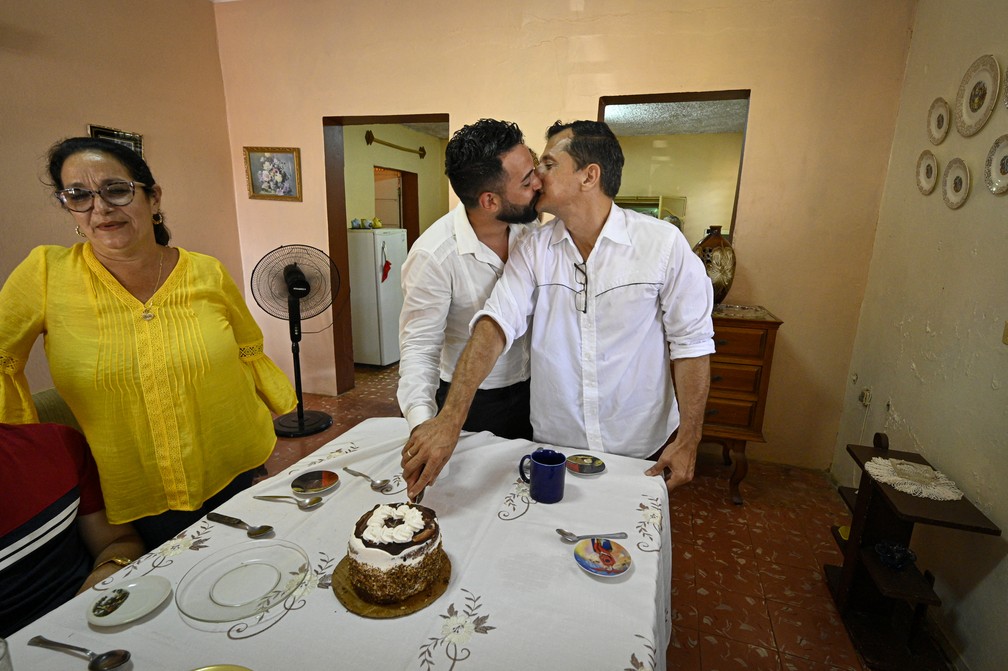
915	479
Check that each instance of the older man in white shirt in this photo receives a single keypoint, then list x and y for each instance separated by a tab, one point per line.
615	295
450	272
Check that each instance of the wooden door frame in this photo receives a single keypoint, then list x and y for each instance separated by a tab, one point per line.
336	220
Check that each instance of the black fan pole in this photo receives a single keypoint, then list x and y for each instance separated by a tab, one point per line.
299	423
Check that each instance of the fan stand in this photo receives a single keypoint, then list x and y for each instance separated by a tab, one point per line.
300	422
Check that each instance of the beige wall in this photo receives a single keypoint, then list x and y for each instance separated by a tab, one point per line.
149	68
360	158
815	155
929	339
704	168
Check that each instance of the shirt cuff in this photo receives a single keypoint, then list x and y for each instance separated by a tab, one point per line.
417	415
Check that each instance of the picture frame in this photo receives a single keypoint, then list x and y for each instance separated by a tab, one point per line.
273	173
132	140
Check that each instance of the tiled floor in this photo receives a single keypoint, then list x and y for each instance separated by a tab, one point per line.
747	582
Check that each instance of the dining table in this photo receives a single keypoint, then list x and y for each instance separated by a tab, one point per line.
516	598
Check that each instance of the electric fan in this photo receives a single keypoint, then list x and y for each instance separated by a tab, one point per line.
293	282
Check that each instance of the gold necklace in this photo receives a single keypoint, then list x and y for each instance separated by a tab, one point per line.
147	314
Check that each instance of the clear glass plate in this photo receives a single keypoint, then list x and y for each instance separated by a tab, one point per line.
241	581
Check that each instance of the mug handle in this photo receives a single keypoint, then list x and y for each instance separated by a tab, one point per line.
521	467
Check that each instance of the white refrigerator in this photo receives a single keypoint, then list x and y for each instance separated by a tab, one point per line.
376	258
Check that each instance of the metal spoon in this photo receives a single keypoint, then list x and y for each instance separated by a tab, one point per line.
252	531
105	661
571	538
377	485
303	504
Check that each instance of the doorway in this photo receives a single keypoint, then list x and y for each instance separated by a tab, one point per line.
336	216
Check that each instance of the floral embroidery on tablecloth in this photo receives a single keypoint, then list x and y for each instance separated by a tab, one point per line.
298	584
337	451
456	631
650	524
517	502
161	556
646	662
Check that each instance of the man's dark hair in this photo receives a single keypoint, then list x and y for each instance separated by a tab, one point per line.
594	142
134	163
473	158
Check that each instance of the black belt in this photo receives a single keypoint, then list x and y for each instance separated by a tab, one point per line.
498	394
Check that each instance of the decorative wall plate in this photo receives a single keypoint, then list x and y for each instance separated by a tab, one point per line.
996	168
978	94
956	184
927	172
939	119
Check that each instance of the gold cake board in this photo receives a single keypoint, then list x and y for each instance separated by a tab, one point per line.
349	597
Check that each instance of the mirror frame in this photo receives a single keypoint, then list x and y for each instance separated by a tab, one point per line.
694	96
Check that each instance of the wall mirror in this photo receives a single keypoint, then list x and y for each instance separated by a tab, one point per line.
683	155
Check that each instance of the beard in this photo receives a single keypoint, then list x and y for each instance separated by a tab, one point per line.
519	214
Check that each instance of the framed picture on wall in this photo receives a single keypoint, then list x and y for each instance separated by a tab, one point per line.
273	173
132	140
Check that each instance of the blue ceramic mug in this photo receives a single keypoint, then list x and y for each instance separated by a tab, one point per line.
545	474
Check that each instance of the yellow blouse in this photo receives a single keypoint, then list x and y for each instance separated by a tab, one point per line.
174	406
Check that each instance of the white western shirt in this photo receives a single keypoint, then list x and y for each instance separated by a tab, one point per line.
600	378
447	276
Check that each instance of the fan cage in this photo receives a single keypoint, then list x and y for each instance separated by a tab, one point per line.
270	290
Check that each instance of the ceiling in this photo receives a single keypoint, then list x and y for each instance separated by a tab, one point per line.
668	118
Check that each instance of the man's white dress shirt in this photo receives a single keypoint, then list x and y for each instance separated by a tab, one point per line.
600	377
447	277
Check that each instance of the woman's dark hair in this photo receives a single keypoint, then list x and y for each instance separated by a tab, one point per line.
473	158
137	168
594	142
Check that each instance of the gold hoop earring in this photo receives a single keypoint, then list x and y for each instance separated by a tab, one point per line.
158	219
79	233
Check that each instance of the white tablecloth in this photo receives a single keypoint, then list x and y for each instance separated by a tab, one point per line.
516	598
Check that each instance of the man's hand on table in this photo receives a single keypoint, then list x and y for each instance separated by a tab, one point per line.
428	449
677	462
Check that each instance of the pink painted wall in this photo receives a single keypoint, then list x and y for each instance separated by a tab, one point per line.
825	80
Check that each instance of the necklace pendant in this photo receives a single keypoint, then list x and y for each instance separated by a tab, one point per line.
147	315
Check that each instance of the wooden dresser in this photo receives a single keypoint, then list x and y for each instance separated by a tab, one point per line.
744	339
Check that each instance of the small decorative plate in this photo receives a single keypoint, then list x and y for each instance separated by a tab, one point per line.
602	557
956	184
585	464
927	172
996	168
315	482
128	601
938	121
978	95
241	581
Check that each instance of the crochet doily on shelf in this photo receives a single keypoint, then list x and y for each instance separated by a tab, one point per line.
915	479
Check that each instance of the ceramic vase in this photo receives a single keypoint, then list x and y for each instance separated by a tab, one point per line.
719	259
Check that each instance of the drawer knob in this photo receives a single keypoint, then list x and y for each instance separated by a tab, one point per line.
723	341
716	378
710	412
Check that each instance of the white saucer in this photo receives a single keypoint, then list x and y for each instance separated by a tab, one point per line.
142	595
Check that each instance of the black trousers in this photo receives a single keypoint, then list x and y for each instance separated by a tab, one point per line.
503	412
156	529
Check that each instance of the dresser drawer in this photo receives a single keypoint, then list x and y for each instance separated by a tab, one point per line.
735	377
734	341
729	412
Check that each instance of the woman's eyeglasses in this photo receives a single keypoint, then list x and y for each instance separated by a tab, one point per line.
77	199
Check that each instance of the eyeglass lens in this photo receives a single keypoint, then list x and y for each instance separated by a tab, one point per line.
78	199
581	296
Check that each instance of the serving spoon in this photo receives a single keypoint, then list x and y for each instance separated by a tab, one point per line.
303	504
105	661
377	485
571	538
251	531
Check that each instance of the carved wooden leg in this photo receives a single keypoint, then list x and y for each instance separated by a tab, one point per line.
726	453
740	470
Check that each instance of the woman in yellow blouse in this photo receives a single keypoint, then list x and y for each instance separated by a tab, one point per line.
152	347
